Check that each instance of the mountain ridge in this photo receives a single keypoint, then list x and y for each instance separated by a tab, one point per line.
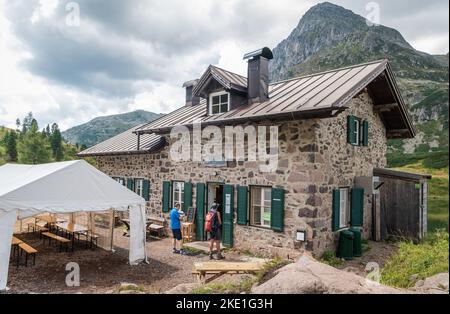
329	36
102	128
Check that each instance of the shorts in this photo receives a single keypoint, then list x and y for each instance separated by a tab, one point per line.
217	235
177	234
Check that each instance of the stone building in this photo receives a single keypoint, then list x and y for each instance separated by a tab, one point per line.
332	129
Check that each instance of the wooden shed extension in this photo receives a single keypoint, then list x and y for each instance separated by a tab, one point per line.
403	203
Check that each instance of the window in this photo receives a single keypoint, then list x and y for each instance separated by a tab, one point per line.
138	187
344	208
178	193
120	180
261	206
219	103
357	130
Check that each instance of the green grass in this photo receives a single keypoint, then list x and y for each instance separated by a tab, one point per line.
329	258
244	285
425	259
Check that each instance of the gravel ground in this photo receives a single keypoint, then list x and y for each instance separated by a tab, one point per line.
380	253
103	272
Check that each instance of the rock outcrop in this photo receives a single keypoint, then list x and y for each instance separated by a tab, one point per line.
308	276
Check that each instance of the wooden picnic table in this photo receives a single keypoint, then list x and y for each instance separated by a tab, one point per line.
72	228
218	269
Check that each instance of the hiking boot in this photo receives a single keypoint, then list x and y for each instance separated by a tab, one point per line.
211	257
175	251
220	257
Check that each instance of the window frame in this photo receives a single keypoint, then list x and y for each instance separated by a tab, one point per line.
357	131
181	194
262	206
344	223
139	186
212	95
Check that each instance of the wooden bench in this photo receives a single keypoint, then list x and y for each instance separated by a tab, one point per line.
62	241
217	269
28	251
157	225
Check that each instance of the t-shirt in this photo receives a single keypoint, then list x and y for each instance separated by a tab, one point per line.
175	219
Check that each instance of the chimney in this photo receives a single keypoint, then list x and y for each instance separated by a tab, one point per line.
258	74
191	100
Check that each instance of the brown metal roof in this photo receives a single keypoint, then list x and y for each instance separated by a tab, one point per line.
302	96
229	80
318	95
125	143
391	173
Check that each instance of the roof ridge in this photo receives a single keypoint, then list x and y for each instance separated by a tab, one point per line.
215	66
329	71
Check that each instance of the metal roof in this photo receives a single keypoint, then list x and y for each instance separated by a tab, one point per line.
321	93
125	143
400	174
318	95
229	80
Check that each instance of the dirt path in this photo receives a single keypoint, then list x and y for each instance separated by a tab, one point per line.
101	271
379	252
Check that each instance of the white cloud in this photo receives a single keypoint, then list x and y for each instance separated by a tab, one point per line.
135	54
45	9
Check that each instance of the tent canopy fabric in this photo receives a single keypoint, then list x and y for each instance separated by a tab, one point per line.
63	188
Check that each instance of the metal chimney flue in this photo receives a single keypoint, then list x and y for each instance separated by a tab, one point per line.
258	75
191	100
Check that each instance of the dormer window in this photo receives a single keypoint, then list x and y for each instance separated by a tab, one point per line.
219	103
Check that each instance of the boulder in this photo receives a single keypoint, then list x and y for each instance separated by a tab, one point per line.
436	284
308	276
184	288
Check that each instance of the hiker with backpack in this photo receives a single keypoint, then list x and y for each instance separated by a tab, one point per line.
213	226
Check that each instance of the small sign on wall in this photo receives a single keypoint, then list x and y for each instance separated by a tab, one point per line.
301	236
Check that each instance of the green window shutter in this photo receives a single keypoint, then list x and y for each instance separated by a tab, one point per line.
200	213
336	210
187	196
166	197
242	205
351	135
365	133
130	184
277	213
146	190
228	216
357	207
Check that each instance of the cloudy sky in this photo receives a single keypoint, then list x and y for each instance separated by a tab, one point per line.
135	54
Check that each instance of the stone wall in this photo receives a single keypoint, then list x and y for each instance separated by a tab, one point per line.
314	158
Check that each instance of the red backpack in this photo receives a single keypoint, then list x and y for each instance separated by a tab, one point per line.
209	221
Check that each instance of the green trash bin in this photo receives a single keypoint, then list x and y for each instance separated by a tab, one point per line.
357	242
345	247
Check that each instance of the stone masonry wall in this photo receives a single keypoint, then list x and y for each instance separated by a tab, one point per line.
314	159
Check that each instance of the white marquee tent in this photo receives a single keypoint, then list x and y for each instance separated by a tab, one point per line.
64	188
